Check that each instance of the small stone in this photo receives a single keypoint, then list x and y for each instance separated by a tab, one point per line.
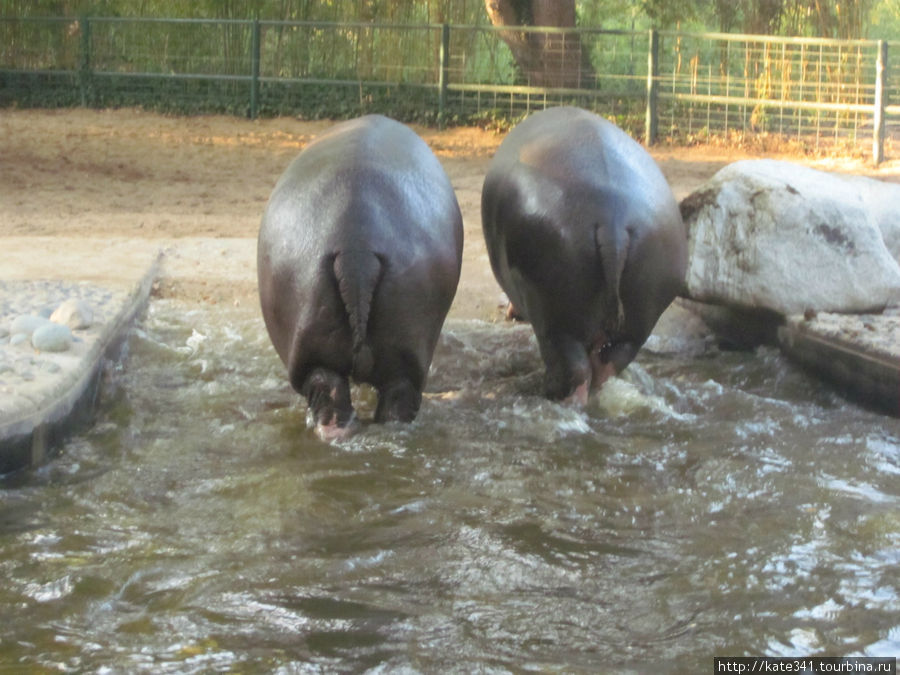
50	367
27	323
53	337
74	313
19	338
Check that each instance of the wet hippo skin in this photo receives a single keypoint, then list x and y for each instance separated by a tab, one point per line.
359	257
586	238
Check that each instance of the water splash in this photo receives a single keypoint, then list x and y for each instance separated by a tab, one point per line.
700	500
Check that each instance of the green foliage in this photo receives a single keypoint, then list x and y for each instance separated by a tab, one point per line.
493	119
672	13
824	18
329	101
38	90
885	20
421	11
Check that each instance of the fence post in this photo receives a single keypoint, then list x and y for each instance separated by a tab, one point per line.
652	119
443	72
254	70
84	68
880	103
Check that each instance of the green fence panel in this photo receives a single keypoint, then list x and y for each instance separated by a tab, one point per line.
696	86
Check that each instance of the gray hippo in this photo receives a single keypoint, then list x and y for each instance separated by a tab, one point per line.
586	239
359	256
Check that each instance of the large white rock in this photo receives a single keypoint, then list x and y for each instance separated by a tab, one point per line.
883	199
775	235
74	313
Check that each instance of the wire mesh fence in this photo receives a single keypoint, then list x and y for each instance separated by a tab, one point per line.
339	69
496	73
682	86
794	87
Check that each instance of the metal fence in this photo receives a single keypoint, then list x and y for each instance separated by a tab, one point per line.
686	87
827	90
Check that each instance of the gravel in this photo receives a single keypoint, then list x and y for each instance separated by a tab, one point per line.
38	356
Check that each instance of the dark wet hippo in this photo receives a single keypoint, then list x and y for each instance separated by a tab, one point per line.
358	259
585	237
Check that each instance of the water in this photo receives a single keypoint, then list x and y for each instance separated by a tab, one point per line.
709	503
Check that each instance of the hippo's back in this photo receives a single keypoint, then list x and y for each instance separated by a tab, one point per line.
369	181
578	151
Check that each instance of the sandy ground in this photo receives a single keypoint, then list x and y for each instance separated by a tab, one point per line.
82	190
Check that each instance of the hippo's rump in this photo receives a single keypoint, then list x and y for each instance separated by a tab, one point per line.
370	193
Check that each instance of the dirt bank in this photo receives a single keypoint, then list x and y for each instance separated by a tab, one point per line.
79	176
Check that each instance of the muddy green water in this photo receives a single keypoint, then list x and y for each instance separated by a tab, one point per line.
711	503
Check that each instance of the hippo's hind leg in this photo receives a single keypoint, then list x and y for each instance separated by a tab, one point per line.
398	401
328	398
568	374
399	382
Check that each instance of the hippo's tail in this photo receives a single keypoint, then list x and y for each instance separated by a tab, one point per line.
612	247
358	273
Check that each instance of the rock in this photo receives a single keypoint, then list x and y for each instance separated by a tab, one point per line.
74	313
680	330
765	234
19	338
27	324
52	337
881	199
858	353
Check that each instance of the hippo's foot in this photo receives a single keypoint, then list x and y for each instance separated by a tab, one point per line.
568	374
334	432
602	372
398	401
610	359
579	397
513	314
328	397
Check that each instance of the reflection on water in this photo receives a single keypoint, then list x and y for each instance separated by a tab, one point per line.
712	504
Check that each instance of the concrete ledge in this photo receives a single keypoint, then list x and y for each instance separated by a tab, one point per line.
859	354
45	396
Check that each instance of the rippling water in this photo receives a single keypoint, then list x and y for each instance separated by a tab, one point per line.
707	504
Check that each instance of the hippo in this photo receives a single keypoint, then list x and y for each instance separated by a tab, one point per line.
358	259
585	237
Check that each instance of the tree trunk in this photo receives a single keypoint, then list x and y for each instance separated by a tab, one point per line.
544	59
